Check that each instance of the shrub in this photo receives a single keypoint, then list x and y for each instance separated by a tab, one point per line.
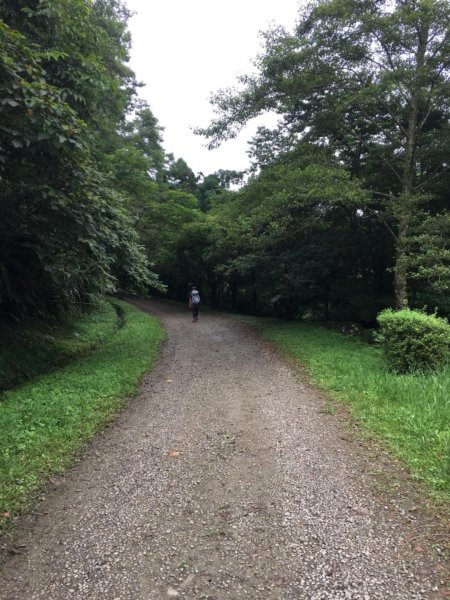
413	340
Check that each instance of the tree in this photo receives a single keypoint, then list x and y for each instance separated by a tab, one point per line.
180	175
370	80
145	134
296	231
65	234
214	186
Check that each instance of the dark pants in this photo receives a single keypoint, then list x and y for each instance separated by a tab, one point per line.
194	308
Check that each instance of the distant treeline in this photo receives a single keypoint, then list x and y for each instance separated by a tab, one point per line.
345	209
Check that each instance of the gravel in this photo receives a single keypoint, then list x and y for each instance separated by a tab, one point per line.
224	479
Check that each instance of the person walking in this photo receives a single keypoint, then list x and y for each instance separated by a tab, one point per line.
194	302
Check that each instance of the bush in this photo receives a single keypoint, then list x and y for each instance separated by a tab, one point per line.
413	340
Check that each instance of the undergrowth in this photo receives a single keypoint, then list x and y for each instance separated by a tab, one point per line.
44	422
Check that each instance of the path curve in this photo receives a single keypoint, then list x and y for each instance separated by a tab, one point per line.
224	479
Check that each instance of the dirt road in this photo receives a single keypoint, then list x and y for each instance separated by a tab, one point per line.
224	479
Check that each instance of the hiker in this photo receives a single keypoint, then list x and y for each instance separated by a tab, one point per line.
194	302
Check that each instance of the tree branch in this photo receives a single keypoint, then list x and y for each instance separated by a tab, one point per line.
380	218
386	162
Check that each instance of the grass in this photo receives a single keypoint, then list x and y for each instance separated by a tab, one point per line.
44	422
32	349
410	413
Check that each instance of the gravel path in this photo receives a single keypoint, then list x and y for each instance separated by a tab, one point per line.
224	479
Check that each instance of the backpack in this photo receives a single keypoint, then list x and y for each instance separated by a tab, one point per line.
195	298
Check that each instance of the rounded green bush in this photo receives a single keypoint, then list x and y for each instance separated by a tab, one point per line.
413	340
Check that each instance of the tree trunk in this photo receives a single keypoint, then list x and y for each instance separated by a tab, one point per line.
409	168
212	282
234	292
254	295
400	278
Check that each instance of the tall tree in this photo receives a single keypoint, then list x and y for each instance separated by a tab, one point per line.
371	80
180	175
65	233
214	186
145	134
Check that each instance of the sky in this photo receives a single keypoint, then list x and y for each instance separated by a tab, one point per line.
185	50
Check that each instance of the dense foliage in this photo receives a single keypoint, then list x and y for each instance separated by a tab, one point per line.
345	209
65	234
364	87
414	341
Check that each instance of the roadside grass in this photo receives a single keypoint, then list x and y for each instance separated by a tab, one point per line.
32	348
410	413
44	422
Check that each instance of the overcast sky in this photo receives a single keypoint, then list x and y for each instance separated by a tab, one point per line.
185	49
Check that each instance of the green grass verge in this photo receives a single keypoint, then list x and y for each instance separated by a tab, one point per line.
31	349
410	413
44	422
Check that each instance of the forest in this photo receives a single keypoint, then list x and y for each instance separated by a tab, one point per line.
343	213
